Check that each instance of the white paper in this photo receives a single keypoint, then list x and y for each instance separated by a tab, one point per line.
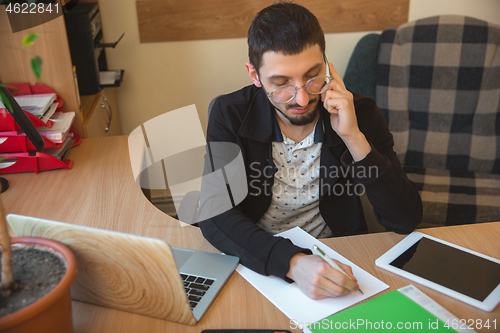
108	77
7	163
35	104
62	123
49	113
297	306
35	101
433	307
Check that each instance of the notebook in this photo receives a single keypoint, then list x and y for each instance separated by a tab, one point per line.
134	273
405	309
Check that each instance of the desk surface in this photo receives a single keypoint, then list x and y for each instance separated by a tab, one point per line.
100	192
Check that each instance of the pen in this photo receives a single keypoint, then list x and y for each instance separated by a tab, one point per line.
332	263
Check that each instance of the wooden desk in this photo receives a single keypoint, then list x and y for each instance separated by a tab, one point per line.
100	192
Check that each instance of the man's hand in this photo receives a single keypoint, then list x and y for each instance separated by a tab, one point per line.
317	279
338	101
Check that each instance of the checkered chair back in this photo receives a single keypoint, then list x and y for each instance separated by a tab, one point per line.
438	86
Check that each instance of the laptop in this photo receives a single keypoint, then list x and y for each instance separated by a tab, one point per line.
134	273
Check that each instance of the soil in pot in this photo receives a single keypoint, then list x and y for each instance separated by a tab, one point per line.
36	272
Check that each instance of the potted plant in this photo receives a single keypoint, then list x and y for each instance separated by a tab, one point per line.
52	311
36	273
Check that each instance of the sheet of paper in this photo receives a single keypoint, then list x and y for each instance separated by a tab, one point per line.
62	122
107	77
35	101
35	104
297	306
49	113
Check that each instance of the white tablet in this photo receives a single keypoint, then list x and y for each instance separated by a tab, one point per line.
466	275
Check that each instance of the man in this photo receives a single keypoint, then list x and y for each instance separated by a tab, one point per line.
310	148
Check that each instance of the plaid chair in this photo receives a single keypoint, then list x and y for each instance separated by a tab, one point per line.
438	86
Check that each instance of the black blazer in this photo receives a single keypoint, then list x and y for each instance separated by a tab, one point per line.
247	118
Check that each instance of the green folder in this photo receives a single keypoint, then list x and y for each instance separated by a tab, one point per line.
392	311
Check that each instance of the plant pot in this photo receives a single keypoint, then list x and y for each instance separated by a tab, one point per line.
52	312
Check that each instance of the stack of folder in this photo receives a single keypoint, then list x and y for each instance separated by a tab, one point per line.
42	106
37	104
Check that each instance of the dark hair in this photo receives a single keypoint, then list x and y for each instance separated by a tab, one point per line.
283	27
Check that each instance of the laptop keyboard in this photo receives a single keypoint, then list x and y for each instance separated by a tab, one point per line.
195	287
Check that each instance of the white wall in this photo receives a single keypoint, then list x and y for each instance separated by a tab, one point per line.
161	77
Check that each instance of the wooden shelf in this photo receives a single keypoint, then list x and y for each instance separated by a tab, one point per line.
52	46
57	73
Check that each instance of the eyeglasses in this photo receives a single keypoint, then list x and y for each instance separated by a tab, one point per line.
315	86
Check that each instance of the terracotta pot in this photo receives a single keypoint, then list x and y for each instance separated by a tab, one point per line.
52	312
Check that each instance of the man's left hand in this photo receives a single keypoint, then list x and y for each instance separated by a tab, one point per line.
339	102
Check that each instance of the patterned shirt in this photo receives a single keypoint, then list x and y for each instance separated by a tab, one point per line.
295	197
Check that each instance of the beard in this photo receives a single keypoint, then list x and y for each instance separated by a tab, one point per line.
300	119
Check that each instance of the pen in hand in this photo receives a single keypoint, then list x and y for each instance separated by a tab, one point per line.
332	263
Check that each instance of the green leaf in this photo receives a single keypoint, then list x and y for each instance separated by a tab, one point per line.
30	39
5	101
36	66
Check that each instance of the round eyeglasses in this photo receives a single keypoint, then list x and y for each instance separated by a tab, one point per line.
317	85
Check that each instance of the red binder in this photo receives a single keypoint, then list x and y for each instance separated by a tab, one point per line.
7	122
17	149
33	162
26	89
12	141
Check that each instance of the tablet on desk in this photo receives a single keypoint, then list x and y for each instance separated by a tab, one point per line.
466	275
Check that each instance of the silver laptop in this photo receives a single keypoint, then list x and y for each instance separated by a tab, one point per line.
134	273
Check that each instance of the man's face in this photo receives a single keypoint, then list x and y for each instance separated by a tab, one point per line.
279	70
